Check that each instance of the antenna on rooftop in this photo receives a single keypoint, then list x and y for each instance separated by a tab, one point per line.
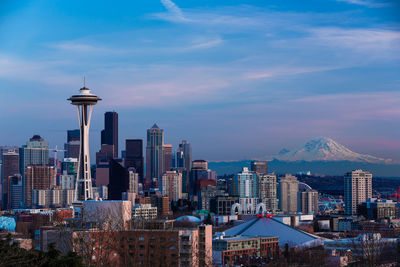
84	81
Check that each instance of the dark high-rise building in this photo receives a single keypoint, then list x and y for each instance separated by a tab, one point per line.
109	136
134	156
167	158
184	160
200	175
72	145
73	135
15	196
10	168
119	180
105	154
154	154
184	155
259	167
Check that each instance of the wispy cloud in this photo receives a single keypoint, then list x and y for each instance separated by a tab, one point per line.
357	106
358	39
73	46
287	71
367	3
207	44
175	13
47	72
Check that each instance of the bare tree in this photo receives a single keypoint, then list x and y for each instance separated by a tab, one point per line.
371	250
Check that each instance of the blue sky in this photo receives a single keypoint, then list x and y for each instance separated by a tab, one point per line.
237	79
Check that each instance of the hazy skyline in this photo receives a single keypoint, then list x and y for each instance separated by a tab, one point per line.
237	79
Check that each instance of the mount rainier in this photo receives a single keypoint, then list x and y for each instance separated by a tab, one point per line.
326	149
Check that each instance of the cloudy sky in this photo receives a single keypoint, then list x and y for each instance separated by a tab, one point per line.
237	79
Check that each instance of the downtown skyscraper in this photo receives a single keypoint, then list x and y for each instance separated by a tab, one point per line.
184	162
134	156
72	145
10	168
154	155
109	136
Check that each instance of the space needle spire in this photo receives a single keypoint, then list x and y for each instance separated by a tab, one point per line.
84	102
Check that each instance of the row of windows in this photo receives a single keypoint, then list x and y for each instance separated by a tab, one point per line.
152	238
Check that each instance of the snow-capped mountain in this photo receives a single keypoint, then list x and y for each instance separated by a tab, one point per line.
326	149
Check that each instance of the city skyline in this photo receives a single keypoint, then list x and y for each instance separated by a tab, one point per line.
230	103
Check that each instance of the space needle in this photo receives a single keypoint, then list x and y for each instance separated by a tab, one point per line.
84	102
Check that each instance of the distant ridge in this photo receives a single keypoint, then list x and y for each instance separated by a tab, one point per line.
326	149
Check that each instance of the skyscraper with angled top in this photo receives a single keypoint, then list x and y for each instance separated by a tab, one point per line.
154	154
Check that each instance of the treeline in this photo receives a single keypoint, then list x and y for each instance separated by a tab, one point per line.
12	255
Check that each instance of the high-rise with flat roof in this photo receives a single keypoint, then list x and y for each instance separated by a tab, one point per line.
357	189
268	191
288	191
259	167
35	152
109	136
247	184
15	196
154	154
184	161
134	156
171	185
72	145
167	157
119	180
308	201
39	177
9	169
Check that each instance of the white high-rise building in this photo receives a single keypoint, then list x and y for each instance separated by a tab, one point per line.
357	189
308	201
268	191
246	184
172	185
288	190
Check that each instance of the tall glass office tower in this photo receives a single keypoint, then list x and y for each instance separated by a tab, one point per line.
154	155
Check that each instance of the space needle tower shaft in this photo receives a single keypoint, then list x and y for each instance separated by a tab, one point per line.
84	102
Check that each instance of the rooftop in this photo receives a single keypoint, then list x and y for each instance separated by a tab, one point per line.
269	227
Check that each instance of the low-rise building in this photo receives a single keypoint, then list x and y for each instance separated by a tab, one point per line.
244	249
151	245
222	205
144	211
376	209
